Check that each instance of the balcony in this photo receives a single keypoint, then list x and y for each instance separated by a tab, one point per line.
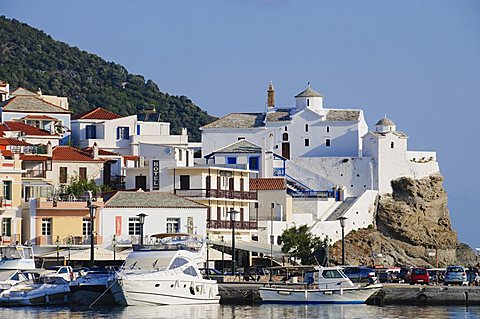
216	193
226	224
34	173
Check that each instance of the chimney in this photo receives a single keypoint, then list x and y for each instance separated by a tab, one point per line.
49	149
270	96
95	151
184	131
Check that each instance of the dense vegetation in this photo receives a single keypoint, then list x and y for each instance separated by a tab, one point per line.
32	59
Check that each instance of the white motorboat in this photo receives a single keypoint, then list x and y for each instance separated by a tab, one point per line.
165	273
43	290
328	285
16	257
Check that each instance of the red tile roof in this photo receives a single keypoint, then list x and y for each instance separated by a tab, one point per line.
13	141
7	153
71	154
98	114
38	117
22	127
34	158
267	184
89	150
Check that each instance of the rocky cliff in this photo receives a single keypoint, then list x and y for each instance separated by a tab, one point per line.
412	228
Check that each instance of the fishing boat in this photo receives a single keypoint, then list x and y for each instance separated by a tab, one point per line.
165	272
16	257
325	285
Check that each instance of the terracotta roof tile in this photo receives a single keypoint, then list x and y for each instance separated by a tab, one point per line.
68	153
267	184
13	141
7	153
22	127
38	117
89	150
98	114
34	158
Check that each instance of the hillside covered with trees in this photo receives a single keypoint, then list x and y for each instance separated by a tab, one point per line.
32	59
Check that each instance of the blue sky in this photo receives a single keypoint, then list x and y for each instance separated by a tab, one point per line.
416	61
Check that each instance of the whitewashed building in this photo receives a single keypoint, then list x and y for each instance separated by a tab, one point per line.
166	213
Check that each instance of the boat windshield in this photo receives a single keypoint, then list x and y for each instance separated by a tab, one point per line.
153	263
331	273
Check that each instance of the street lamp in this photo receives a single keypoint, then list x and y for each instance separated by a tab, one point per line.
141	221
92	209
69	244
232	213
57	242
114	244
208	255
223	255
343	221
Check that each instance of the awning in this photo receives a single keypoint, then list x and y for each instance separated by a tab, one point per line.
253	246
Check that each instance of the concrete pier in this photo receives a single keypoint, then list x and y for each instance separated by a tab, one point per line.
247	293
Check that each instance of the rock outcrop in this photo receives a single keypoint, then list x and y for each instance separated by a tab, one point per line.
412	228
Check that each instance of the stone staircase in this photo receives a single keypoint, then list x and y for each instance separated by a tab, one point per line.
341	209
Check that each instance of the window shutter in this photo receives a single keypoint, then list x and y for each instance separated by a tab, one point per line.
127	133
118	133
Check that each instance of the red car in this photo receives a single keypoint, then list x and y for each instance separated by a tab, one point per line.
419	276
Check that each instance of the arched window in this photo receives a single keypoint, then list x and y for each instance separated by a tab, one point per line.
306	127
392	145
285	136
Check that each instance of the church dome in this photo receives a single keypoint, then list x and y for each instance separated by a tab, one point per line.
385	122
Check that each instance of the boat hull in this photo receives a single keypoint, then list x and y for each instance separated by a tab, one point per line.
317	296
131	292
40	295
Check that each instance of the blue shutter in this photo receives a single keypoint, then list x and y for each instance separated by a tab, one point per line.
138	129
127	133
118	133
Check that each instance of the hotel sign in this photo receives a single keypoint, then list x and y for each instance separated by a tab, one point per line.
156	175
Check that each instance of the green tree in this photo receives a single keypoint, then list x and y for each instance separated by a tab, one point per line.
302	244
78	186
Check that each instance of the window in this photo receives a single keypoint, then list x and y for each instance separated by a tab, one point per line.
7	190
87	227
16	149
286	128
307	142
231	160
180	155
328	129
82	173
306	127
63	175
46	227
91	131
392	145
173	225
138	129
7	227
253	163
184	182
134	226
331	274
285	136
327	142
123	133
241	138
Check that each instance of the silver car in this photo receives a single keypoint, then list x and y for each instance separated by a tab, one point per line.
455	275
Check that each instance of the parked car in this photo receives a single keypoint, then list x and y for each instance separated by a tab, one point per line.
388	275
455	275
471	275
418	276
402	275
211	273
360	274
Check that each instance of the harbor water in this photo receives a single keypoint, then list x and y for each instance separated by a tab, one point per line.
238	312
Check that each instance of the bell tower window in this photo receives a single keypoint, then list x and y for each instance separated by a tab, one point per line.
392	145
285	136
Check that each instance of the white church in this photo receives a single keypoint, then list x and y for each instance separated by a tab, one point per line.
333	165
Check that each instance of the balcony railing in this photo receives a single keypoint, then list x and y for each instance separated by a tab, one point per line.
34	173
226	224
216	193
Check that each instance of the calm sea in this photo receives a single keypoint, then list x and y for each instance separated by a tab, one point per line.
253	312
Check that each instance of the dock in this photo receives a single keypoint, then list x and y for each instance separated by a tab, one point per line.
390	294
